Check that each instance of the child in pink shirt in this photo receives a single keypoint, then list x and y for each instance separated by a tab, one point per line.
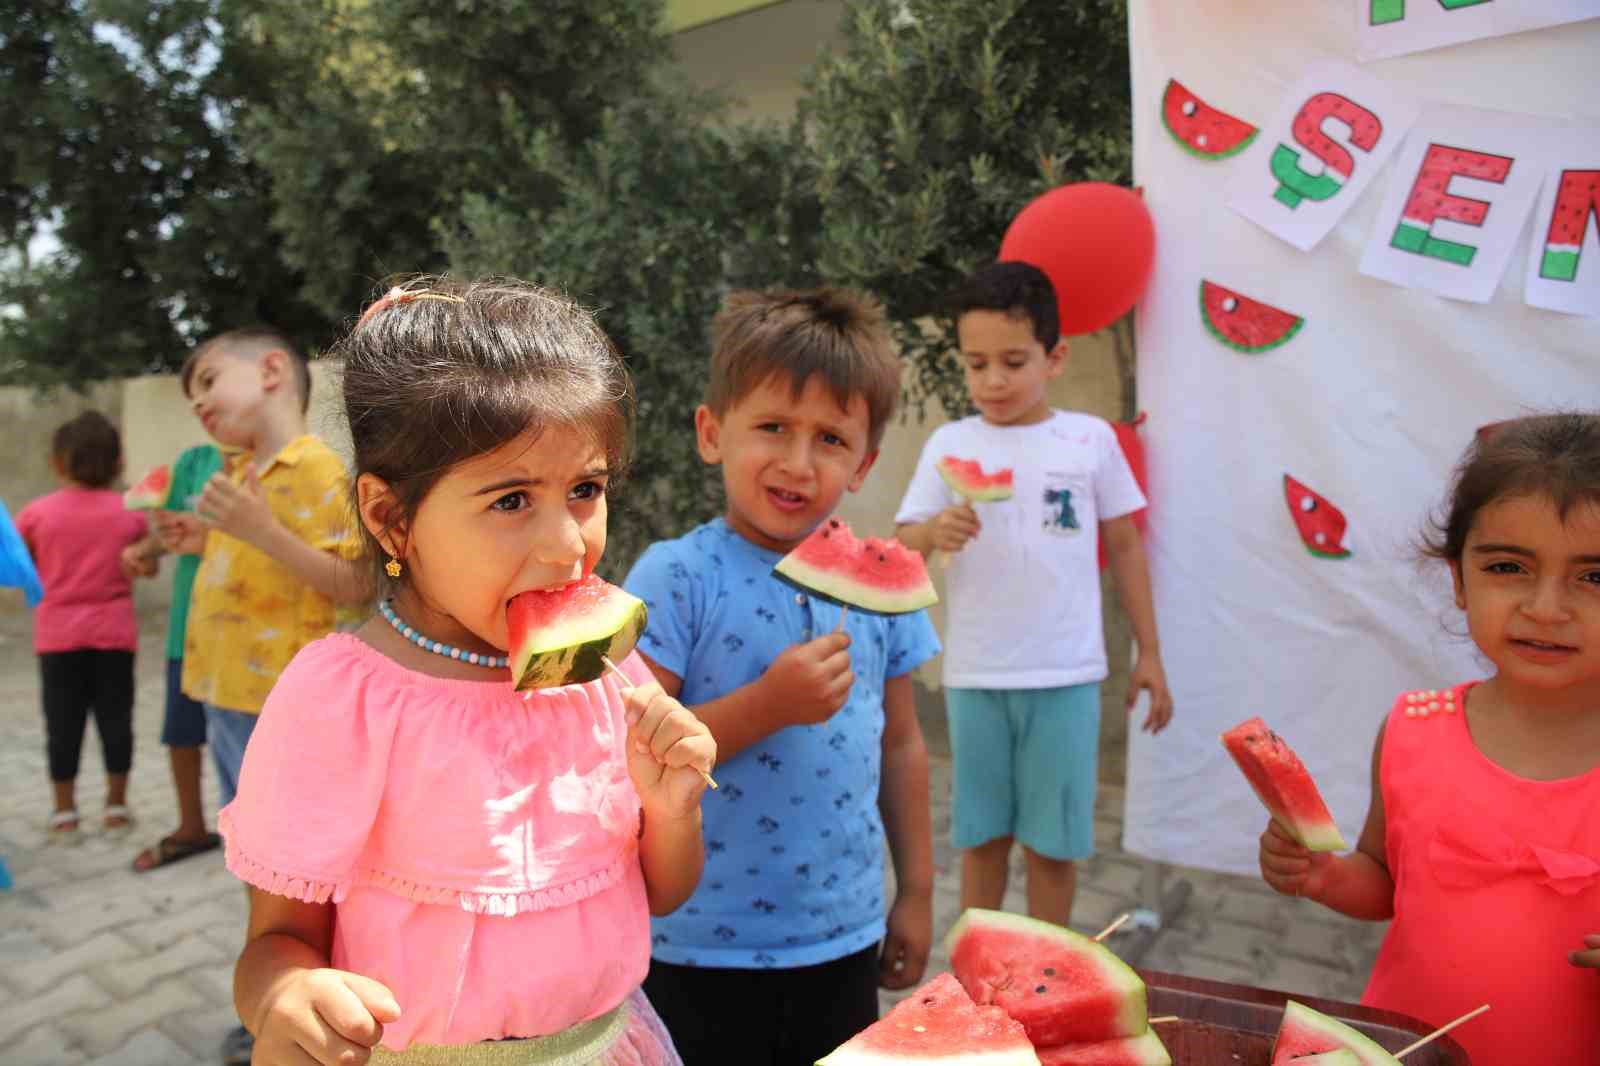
83	630
447	870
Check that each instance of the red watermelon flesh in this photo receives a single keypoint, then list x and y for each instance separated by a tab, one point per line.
1306	1032
1143	1050
1320	524
1244	324
880	576
966	478
1063	987
938	1023
151	492
563	636
1283	785
1341	1057
1201	129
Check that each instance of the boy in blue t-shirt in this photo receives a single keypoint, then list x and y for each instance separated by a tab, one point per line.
822	759
1025	653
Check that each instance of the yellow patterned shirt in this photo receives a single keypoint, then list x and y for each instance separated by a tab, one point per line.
250	614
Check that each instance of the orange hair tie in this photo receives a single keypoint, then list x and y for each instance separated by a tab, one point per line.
398	295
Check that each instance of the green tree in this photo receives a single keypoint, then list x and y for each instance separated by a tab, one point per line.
934	122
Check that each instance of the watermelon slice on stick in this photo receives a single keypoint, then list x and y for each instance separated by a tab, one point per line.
1283	785
563	636
873	575
938	1024
1064	988
152	492
967	480
1305	1032
1201	129
1143	1050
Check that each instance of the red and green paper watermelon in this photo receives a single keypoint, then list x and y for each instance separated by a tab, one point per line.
1431	199
1063	987
1201	129
1307	1032
1320	524
967	479
1338	165
1143	1050
938	1024
1244	324
880	576
152	492
1283	785
563	636
1577	201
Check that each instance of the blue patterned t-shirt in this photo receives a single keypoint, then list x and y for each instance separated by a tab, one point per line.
794	869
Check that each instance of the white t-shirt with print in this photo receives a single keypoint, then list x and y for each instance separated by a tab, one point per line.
1024	595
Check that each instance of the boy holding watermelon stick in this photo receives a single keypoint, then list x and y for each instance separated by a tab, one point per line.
1025	653
821	759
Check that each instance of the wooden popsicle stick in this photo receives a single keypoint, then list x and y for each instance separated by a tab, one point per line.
1437	1033
844	612
628	685
1163	1019
1112	928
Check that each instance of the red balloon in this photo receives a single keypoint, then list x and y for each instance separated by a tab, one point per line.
1096	243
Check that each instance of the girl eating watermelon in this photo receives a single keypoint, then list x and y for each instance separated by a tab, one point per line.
1482	842
444	869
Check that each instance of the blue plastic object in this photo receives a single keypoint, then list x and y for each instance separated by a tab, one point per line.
16	566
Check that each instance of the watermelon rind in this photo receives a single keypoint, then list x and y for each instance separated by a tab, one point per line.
938	1024
1117	977
574	648
1308	1032
834	585
1146	1049
1248	349
1308	820
1341	1057
144	496
970	491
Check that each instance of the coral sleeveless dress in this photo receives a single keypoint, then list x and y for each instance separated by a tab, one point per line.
1496	880
480	849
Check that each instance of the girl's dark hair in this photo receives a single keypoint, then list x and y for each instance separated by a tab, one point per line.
89	449
439	371
1556	456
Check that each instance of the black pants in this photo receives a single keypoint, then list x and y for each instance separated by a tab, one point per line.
765	1017
76	684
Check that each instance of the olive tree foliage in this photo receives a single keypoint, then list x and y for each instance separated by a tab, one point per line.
933	123
649	222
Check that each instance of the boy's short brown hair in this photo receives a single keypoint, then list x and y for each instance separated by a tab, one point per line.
252	341
839	334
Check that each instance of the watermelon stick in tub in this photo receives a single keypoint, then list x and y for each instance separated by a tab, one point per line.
1283	784
872	575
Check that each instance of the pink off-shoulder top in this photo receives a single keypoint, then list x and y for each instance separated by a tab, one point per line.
481	849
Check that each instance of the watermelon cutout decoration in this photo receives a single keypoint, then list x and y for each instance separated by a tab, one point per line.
967	479
1201	129
1430	199
1338	166
1577	201
563	636
1144	1050
877	576
152	491
1063	987
1283	785
938	1023
1243	324
1307	1032
1321	525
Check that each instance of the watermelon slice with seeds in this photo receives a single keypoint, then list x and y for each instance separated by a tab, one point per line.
938	1023
563	636
1244	324
152	492
878	576
1201	129
1320	524
1143	1050
1284	785
1063	987
967	479
1306	1032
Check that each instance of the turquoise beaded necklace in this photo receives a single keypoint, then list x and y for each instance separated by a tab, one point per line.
493	662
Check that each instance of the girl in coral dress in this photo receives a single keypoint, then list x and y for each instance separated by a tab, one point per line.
443	870
1483	839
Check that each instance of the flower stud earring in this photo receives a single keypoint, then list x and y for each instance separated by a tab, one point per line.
392	567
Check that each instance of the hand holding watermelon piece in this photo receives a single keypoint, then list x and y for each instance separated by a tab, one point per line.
1283	784
938	1023
880	576
563	636
152	492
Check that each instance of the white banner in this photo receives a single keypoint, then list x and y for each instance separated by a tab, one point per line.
1395	27
1304	417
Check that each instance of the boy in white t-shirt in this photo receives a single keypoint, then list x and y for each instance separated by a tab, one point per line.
1024	648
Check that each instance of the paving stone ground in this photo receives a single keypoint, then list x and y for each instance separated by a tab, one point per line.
99	965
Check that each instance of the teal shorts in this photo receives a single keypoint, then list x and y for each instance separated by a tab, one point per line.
1025	765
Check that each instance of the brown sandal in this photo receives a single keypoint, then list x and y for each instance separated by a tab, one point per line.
171	849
